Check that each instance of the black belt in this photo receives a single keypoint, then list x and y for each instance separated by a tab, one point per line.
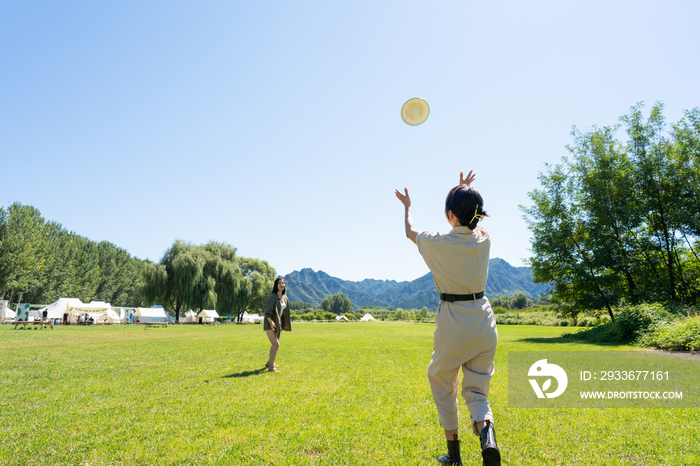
451	298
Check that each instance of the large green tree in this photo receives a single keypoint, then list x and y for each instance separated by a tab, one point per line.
22	249
614	221
195	277
262	278
337	304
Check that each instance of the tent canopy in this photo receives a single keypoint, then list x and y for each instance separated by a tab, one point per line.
150	312
367	317
250	318
341	318
112	316
152	315
208	314
90	308
100	303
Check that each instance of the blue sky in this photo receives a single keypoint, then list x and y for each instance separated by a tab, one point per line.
275	126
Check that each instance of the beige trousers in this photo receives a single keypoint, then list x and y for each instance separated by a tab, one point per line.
466	337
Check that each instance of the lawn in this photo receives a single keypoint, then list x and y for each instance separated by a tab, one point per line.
348	393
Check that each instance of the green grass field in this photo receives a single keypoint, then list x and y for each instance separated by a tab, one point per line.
348	393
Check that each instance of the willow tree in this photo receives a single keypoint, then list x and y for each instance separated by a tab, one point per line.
242	297
195	277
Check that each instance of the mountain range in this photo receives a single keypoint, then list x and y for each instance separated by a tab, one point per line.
311	287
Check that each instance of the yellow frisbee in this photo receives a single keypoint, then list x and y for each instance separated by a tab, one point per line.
415	111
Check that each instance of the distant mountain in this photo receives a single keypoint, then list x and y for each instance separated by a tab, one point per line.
311	287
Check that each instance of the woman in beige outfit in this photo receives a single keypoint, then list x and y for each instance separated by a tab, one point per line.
465	335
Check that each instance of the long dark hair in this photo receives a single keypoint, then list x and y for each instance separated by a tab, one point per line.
275	289
465	203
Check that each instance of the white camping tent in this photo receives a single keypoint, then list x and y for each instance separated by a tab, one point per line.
208	316
6	314
60	307
100	303
100	311
151	315
250	318
9	315
367	318
190	317
341	318
109	317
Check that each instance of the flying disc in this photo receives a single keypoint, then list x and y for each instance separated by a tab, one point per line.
415	111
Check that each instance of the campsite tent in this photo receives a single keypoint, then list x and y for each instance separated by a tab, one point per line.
6	314
109	317
250	318
189	318
99	311
9	315
151	315
367	318
208	315
60	307
341	318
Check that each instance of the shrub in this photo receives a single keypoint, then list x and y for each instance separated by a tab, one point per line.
676	336
629	325
586	322
527	318
637	320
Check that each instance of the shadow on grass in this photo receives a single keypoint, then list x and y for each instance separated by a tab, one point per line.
245	373
555	340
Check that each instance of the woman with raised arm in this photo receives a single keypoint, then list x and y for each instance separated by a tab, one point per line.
277	318
465	334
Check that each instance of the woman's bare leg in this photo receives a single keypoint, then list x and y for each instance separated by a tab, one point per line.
275	342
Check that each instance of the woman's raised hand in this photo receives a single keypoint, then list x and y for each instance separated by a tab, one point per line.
468	180
404	198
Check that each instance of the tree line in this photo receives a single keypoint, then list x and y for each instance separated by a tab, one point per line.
339	304
617	222
41	261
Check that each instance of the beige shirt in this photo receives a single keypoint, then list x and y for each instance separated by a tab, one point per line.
459	260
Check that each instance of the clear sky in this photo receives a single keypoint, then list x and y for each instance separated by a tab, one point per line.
275	126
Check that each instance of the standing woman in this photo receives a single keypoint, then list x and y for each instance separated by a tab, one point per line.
465	334
277	318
